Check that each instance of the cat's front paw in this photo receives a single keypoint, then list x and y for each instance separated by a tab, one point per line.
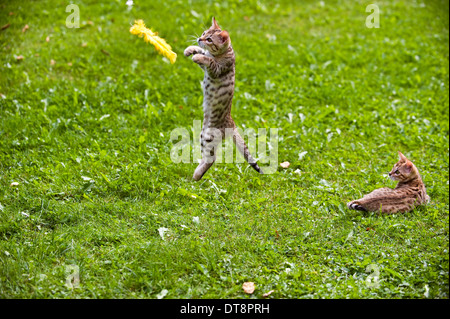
191	50
188	51
198	58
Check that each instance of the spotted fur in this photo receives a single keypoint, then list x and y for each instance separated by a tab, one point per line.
409	192
215	56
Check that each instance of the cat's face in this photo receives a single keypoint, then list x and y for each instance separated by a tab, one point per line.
214	40
404	170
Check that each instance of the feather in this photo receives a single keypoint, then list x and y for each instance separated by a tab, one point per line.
160	44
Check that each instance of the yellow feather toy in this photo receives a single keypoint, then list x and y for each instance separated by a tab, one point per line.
152	37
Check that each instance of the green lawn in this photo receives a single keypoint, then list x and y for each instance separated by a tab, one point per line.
85	123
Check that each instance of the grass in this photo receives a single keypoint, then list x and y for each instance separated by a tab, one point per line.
87	139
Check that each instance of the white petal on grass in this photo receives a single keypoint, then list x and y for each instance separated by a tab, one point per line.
427	291
196	219
350	235
14	184
25	214
85	178
302	117
301	155
162	231
291	116
195	14
285	164
1	207
104	117
162	294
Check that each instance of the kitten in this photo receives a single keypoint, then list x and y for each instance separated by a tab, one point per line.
215	56
409	192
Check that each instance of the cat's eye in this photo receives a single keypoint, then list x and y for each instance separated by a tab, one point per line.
209	40
396	171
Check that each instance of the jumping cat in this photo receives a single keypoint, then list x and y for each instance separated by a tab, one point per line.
215	56
409	192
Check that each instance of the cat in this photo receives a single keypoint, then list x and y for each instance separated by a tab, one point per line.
215	56
409	192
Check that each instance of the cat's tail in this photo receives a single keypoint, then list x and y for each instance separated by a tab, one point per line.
240	144
356	206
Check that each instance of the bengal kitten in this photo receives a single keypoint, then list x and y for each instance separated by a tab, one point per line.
215	56
409	192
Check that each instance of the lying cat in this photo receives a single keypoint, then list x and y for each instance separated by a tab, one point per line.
215	56
409	192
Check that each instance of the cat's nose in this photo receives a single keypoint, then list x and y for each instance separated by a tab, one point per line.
389	173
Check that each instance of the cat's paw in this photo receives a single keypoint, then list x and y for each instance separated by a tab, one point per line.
197	58
192	50
188	51
354	205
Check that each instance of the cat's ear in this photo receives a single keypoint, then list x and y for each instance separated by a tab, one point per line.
214	24
224	36
401	156
408	166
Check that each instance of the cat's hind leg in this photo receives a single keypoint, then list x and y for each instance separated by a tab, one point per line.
201	170
209	141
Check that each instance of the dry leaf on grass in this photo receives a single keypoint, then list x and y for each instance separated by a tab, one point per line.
52	62
47	39
19	58
249	287
6	26
267	294
285	164
25	28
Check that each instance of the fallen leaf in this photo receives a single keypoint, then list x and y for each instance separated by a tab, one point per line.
47	39
105	52
19	58
249	287
285	164
84	44
25	28
6	26
52	62
69	63
267	294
